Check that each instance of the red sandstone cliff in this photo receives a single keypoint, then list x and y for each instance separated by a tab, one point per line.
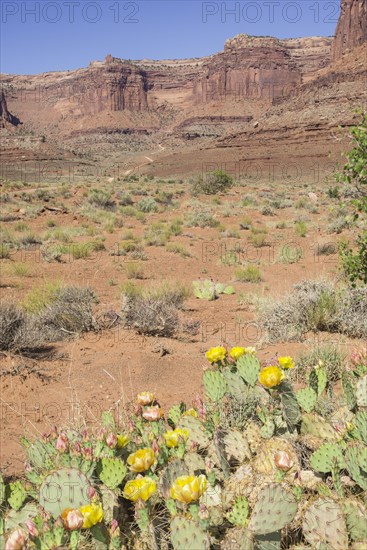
351	30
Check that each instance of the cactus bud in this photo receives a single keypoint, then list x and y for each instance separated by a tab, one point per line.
111	440
32	529
17	540
145	398
62	443
152	414
73	519
283	461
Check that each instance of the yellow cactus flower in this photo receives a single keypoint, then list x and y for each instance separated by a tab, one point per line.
286	362
271	376
140	488
191	412
250	350
188	488
141	460
145	398
173	437
216	354
122	440
92	514
237	352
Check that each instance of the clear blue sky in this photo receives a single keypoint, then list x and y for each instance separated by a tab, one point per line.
47	35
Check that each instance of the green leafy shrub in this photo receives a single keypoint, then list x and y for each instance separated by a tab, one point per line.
212	183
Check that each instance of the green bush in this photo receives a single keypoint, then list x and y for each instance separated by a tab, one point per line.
212	183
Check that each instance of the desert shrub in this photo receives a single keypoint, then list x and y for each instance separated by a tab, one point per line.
12	322
246	223
147	205
153	311
331	357
333	192
267	211
301	228
39	297
258	239
68	314
4	251
248	274
326	249
351	317
157	234
177	248
101	198
212	183
134	270
316	306
21	226
124	199
290	254
175	227
201	218
29	240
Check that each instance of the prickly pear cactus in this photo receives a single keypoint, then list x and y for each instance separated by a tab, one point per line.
215	385
361	392
235	386
236	446
2	490
65	488
187	533
307	399
239	514
194	463
172	471
268	429
13	518
248	368
324	523
316	425
205	290
349	391
355	457
325	457
355	514
290	408
238	539
274	508
268	542
361	424
197	433
40	455
174	415
17	495
111	472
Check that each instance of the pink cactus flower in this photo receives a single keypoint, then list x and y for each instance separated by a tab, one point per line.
62	443
17	540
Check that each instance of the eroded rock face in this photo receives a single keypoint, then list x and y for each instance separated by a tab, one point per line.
351	30
6	118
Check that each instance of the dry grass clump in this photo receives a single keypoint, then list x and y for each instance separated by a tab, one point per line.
316	306
153	311
69	314
332	357
65	313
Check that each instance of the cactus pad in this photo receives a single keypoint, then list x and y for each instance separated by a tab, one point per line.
361	392
274	508
111	472
13	519
268	542
361	424
268	429
197	433
349	391
355	514
238	539
236	387
186	534
324	523
290	408
236	446
307	399
355	457
239	514
325	457
215	385
17	495
173	470
194	463
65	488
248	367
2	490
